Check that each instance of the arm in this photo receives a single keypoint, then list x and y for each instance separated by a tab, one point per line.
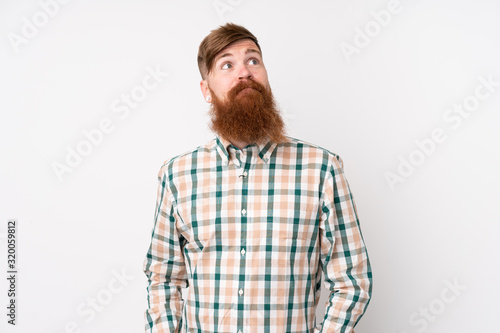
344	258
164	266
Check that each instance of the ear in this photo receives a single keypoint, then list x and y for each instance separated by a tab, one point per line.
205	91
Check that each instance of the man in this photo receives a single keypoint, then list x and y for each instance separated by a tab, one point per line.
251	219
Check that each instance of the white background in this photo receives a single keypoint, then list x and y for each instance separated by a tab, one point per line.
437	226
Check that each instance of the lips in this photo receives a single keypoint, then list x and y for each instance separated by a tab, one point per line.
248	87
246	91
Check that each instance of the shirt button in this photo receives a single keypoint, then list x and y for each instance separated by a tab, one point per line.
243	211
245	174
239	331
242	252
240	292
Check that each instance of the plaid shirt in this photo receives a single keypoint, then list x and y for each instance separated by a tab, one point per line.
249	231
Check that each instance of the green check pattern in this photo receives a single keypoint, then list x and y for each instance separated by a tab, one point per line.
249	232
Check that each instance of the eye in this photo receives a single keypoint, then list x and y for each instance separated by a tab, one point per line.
254	61
226	65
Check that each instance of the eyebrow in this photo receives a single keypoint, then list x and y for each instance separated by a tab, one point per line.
227	54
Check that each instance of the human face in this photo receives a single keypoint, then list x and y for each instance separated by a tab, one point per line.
239	61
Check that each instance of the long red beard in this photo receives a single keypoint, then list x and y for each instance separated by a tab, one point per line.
247	116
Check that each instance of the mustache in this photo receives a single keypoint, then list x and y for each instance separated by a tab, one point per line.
242	85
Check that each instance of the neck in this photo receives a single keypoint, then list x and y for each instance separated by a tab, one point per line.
239	144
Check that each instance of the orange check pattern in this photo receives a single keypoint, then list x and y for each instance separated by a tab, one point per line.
250	232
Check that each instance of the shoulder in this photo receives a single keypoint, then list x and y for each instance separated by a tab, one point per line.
332	159
183	161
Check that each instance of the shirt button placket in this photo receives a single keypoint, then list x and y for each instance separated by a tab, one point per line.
244	221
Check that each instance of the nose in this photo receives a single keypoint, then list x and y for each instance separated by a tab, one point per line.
244	73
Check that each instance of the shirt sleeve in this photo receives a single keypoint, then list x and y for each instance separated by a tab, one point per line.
164	266
344	258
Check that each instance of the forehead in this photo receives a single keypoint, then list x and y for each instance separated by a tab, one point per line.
240	47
